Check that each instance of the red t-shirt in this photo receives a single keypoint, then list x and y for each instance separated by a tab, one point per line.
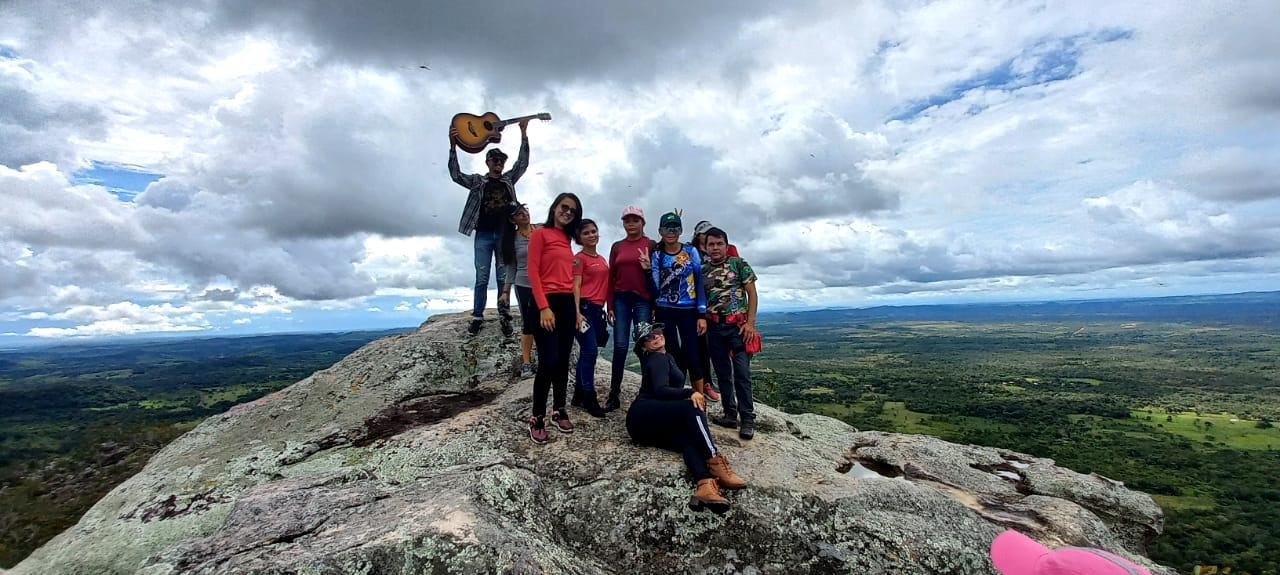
595	277
625	273
550	264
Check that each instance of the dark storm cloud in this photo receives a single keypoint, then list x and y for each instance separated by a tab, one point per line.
216	294
1232	175
33	130
511	43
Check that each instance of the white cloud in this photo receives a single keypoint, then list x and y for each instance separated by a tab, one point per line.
860	151
122	318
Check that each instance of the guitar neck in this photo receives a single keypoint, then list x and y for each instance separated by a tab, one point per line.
503	123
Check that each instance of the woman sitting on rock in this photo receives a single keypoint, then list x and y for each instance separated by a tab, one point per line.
668	415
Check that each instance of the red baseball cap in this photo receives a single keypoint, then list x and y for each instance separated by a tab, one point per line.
1016	554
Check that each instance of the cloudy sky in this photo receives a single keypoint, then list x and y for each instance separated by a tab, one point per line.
241	166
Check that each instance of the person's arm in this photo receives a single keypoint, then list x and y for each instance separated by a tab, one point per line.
747	276
537	244
511	269
699	286
654	270
613	277
748	329
467	181
577	288
509	277
659	369
522	158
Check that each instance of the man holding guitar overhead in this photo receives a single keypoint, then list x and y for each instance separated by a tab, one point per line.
485	214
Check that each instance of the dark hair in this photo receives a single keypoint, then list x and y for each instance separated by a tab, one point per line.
716	233
582	226
507	243
571	230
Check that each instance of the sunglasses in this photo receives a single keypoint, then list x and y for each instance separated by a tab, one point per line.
672	230
565	208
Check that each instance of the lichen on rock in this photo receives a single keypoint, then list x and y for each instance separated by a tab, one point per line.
409	457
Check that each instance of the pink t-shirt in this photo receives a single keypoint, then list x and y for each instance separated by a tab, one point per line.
595	276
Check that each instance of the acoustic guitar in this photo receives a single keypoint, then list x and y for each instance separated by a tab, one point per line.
476	132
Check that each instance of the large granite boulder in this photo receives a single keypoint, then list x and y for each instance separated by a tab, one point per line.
410	456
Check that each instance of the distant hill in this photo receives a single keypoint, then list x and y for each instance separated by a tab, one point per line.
1253	308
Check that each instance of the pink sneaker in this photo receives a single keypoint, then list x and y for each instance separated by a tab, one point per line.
537	430
710	390
561	421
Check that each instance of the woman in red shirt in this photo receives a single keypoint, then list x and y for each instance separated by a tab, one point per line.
629	300
590	291
551	276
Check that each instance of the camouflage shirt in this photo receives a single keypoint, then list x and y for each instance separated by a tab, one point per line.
726	285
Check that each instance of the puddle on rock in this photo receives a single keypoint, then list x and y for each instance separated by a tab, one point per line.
860	471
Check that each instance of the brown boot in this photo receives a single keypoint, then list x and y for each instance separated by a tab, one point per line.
723	472
707	496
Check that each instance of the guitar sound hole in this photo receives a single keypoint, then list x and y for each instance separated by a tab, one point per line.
488	126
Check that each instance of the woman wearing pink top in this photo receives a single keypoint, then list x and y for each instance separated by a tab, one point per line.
591	290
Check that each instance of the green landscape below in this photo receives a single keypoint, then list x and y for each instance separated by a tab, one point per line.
1175	397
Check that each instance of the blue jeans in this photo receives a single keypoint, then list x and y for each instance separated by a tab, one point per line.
588	351
733	373
486	259
628	309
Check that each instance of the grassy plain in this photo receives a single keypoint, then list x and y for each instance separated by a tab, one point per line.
1143	391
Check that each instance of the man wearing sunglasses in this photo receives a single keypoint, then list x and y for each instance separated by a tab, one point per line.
485	214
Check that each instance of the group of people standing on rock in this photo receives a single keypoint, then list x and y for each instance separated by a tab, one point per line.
689	308
685	306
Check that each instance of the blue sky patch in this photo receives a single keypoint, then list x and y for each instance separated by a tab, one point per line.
126	182
1047	61
7	53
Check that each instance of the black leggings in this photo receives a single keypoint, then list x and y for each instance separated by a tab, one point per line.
680	327
674	425
528	310
553	353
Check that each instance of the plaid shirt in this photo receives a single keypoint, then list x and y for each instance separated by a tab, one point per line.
475	183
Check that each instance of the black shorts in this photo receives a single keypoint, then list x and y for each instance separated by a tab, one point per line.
529	317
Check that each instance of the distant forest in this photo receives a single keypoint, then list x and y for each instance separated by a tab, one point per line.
78	419
1178	397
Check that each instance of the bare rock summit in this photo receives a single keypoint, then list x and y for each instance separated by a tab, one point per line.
409	456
